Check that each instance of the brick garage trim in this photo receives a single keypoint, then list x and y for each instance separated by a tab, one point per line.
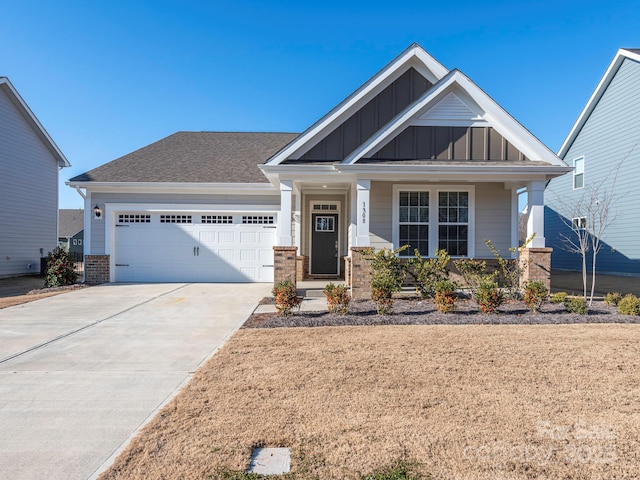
96	269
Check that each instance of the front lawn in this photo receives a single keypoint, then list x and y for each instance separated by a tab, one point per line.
451	401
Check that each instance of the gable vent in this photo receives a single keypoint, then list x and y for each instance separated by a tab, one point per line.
450	108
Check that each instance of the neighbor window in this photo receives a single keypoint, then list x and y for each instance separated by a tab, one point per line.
413	215
453	222
578	173
579	223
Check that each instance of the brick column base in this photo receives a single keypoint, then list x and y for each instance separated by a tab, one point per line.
96	269
361	273
347	271
536	263
284	264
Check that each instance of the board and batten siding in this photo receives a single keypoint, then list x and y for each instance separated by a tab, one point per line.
609	141
492	221
97	246
29	199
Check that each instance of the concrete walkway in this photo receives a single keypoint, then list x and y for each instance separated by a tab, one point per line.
80	373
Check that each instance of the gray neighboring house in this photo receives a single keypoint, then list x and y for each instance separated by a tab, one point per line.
603	147
30	161
71	231
417	155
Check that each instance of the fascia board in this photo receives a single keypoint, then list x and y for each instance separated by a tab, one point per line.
34	122
458	170
595	98
195	188
368	90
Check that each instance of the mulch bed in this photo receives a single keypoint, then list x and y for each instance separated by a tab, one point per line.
416	311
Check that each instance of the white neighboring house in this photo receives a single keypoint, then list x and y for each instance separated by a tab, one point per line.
418	155
29	162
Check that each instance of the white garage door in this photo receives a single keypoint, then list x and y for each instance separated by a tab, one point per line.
194	247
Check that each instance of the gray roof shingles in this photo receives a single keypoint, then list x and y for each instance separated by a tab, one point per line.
195	157
70	222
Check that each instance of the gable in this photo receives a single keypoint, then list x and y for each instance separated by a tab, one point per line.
370	118
451	109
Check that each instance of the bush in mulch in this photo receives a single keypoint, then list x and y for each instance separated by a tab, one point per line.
416	311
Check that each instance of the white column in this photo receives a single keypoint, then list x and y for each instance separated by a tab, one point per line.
284	220
535	223
515	219
362	212
297	216
88	217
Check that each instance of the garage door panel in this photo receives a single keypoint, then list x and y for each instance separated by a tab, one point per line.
174	252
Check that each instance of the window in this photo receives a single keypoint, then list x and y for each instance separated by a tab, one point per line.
325	206
79	241
325	224
134	218
453	222
431	217
413	217
578	173
258	219
75	241
175	218
219	219
579	223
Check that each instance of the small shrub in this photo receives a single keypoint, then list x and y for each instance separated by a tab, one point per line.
559	297
474	272
613	298
286	297
446	296
535	293
59	269
489	297
511	269
388	275
576	305
429	271
629	305
337	298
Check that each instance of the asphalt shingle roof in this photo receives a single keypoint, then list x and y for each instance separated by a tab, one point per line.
70	222
195	157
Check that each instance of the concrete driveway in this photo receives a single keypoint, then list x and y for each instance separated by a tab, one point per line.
80	373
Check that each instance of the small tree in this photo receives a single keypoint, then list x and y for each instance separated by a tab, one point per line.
388	276
60	270
511	269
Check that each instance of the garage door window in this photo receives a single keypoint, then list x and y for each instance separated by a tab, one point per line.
258	219
133	218
217	219
175	219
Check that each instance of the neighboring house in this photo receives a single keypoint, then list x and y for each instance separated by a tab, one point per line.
71	231
417	155
604	149
30	161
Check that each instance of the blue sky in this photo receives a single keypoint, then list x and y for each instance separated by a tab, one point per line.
106	78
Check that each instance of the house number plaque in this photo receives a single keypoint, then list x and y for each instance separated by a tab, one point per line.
364	212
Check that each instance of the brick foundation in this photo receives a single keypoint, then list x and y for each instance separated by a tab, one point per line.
285	264
536	264
360	273
302	267
347	270
96	269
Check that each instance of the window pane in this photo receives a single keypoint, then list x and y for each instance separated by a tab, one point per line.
463	199
424	199
578	181
404	199
413	214
414	199
404	214
463	215
443	199
424	215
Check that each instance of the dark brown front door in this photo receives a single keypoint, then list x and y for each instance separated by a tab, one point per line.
324	244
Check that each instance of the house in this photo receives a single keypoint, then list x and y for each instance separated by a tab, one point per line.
417	155
71	231
603	147
30	161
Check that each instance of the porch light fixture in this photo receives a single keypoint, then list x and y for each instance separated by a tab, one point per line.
97	212
324	186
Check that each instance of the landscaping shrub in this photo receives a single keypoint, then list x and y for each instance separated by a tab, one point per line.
613	298
576	305
286	297
535	293
629	305
559	297
489	296
59	269
446	296
429	271
474	272
337	298
388	275
511	269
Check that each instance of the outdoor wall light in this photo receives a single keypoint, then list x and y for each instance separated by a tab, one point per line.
97	212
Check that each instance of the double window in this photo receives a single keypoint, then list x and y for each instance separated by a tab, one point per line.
430	218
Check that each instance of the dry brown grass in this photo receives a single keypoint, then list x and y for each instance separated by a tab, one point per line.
20	299
477	402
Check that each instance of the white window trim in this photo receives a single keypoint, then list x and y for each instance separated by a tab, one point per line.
433	214
575	224
574	172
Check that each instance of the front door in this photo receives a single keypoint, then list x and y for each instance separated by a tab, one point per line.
324	244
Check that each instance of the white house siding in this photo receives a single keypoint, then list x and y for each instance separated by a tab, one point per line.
610	144
98	225
29	194
492	220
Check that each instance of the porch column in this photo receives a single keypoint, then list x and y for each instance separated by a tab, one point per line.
535	223
284	220
515	220
362	211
